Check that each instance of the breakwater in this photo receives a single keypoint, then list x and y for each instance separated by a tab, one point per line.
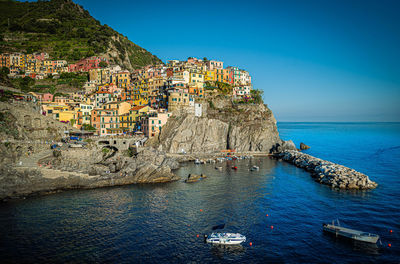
328	173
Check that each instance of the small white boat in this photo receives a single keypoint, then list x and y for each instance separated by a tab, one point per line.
197	161
350	233
225	238
255	168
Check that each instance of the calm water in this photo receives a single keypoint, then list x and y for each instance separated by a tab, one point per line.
160	223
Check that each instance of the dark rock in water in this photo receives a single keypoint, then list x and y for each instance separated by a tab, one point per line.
195	178
304	146
283	146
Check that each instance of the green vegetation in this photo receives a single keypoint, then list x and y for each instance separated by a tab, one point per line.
73	79
4	80
67	80
24	84
105	150
223	88
257	96
65	30
130	152
210	86
211	104
5	96
88	127
103	64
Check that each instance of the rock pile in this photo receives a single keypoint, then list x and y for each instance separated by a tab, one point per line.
326	172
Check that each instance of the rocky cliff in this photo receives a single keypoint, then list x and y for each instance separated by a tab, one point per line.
223	125
85	169
28	166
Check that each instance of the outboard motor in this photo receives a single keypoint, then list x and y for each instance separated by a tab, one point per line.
205	238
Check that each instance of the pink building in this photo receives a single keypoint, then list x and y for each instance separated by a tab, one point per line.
109	122
87	64
41	56
212	64
152	124
47	97
192	60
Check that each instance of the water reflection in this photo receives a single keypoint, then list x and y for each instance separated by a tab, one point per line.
359	246
222	251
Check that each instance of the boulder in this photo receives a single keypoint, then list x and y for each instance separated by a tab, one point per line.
303	146
195	178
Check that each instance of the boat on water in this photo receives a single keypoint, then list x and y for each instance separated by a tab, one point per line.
340	231
197	161
255	168
225	238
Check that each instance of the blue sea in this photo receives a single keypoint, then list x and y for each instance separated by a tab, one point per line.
280	209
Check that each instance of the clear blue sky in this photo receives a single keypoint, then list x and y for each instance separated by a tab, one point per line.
314	60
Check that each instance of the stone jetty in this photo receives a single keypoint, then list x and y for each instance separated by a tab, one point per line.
328	173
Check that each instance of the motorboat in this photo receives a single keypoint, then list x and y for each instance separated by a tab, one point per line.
197	161
350	233
255	168
225	238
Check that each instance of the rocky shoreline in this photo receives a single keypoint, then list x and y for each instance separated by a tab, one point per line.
328	173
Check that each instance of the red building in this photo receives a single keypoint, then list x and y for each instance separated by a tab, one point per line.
87	64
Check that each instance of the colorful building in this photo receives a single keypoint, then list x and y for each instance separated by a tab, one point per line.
86	64
152	124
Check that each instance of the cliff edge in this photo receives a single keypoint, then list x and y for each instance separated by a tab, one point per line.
222	125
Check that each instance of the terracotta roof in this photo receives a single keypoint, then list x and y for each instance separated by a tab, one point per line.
137	107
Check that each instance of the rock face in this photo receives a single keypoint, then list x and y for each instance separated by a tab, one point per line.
86	168
283	146
22	121
225	126
325	172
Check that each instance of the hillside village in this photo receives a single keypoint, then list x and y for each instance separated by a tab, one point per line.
115	101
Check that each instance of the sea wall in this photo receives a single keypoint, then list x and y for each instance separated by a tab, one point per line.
328	173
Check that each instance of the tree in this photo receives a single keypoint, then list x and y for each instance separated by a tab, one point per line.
88	127
205	59
4	71
103	64
257	96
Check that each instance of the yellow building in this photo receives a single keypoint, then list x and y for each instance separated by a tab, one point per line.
67	116
129	121
123	79
210	76
121	107
196	78
140	93
5	60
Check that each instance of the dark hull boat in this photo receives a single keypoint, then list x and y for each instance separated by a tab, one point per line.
350	233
